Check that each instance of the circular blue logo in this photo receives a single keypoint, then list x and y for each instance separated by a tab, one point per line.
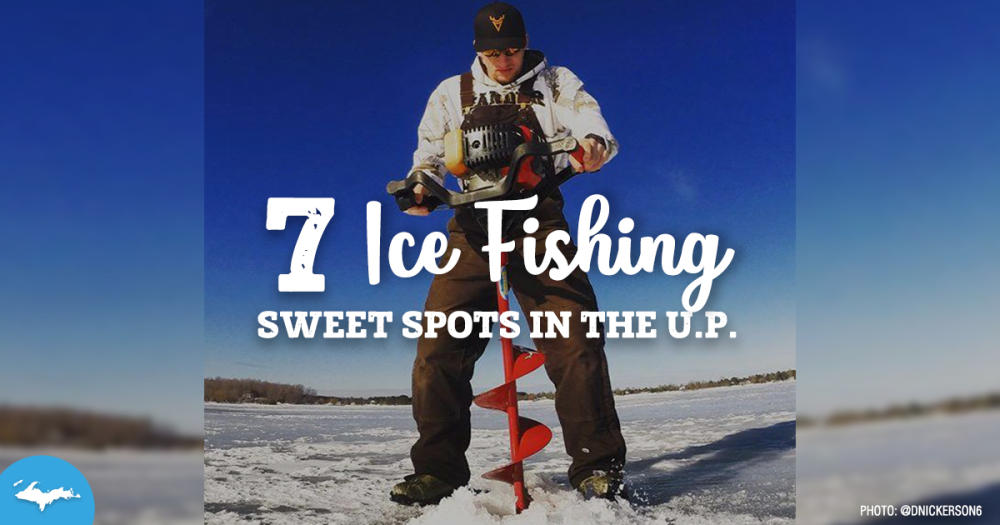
45	490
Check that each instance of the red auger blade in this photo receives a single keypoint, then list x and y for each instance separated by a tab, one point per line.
498	398
534	437
527	436
527	361
518	350
504	474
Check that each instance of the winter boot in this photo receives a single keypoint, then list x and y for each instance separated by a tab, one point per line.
420	489
604	485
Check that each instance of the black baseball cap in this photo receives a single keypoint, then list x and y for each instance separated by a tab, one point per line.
499	26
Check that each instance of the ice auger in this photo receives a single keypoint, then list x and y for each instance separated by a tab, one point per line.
499	162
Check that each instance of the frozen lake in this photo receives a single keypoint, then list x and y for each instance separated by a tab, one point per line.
721	455
941	459
134	487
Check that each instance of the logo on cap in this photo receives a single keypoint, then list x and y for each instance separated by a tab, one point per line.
497	22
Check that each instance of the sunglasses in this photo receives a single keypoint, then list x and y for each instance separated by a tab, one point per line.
509	52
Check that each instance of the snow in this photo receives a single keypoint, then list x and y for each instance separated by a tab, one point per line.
722	455
939	459
133	487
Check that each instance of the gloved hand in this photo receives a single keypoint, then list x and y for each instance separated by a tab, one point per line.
594	156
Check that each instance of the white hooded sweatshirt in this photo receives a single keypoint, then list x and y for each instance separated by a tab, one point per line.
567	110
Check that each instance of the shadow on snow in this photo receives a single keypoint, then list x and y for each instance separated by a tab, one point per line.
719	462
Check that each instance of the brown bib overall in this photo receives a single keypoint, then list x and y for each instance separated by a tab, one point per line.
577	366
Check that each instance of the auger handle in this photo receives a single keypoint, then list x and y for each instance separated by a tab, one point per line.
402	190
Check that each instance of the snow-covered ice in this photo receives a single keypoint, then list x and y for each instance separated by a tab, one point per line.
133	487
941	459
721	455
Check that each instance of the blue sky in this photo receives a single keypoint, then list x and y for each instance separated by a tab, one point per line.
897	202
314	99
101	274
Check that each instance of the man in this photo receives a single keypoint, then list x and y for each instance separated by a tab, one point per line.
512	84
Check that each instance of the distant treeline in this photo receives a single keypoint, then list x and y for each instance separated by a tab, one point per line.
221	390
63	427
255	391
770	377
958	405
